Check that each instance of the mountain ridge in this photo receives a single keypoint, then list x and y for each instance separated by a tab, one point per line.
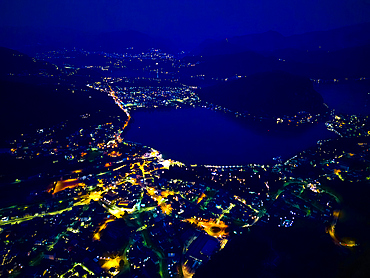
274	93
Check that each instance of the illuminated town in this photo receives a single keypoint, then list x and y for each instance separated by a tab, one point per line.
109	207
185	139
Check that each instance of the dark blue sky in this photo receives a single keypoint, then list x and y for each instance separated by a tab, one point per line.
196	19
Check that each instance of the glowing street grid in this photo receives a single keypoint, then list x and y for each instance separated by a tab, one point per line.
121	209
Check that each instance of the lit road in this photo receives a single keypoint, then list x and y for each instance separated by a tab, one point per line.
337	240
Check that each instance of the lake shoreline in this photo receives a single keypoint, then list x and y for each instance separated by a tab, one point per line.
194	135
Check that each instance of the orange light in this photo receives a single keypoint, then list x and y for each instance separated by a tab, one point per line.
201	198
97	234
64	184
214	228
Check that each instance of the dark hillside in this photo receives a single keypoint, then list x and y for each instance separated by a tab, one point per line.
34	94
24	106
247	63
330	40
293	252
13	62
269	93
349	62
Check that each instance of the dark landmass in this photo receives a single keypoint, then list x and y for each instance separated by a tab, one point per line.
34	94
330	40
247	63
334	54
338	64
26	107
117	41
14	63
304	251
31	41
349	62
269	93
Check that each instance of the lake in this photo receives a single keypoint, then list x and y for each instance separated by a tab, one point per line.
201	136
352	97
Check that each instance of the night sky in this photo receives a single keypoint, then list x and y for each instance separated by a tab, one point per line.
187	19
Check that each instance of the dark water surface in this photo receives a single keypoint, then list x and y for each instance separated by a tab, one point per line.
201	136
348	97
